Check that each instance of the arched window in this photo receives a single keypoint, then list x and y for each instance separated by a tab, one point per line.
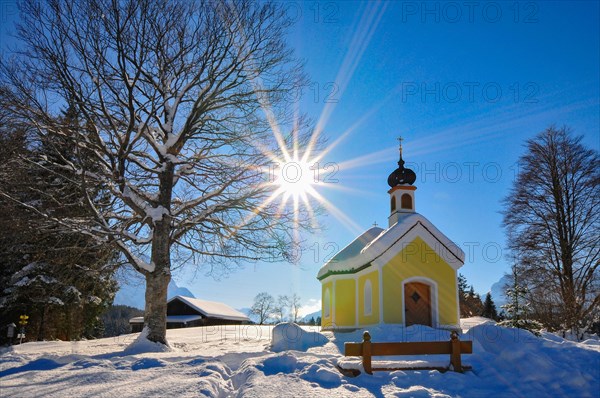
393	203
326	303
406	201
368	301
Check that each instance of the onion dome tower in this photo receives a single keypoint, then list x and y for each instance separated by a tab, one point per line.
402	192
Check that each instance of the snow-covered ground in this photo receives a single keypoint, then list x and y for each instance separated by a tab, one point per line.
239	361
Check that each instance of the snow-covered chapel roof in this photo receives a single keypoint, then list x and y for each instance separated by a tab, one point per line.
373	244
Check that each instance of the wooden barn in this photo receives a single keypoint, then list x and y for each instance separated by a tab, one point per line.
185	312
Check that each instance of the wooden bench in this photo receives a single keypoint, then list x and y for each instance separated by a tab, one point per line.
367	350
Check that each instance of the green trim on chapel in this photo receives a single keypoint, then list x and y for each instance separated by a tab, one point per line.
352	271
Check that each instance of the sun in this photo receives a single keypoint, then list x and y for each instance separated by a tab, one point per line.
295	178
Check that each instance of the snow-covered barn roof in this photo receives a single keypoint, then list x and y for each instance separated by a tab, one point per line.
170	318
376	242
212	309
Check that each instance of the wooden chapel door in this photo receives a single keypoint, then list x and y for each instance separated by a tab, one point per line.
417	304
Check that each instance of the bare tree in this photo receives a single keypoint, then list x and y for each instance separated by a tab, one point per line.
179	104
280	307
263	307
294	302
553	222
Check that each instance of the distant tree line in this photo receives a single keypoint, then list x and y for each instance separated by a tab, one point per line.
116	319
470	303
267	309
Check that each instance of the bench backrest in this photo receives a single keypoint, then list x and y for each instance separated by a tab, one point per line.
412	348
366	350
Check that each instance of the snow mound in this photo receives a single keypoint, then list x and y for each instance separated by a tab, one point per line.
391	333
148	363
289	336
142	345
496	339
467	323
323	376
541	366
289	374
591	342
285	363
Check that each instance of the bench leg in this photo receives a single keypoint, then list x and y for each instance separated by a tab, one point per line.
455	359
366	353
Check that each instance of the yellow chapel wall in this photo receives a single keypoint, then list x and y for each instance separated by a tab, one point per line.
374	316
418	259
345	302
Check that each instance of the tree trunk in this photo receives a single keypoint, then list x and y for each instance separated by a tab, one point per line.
157	283
42	328
155	314
68	323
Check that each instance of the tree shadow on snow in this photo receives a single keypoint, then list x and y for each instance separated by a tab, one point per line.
38	364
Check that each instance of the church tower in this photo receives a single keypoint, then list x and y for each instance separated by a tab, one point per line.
402	192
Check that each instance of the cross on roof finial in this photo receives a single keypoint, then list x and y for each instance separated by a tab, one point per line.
375	224
400	139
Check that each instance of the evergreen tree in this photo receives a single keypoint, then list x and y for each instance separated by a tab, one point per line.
463	286
517	308
489	308
62	279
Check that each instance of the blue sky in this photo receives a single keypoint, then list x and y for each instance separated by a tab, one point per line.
465	95
464	83
465	87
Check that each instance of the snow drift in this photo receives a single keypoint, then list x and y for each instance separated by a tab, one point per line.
142	345
289	336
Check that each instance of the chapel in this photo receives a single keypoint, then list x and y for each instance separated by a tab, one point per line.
405	274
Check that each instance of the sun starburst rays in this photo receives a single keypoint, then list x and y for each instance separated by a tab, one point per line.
293	175
295	182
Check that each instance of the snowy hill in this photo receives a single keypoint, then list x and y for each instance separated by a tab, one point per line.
245	310
175	290
254	317
497	290
239	361
314	315
248	312
132	291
